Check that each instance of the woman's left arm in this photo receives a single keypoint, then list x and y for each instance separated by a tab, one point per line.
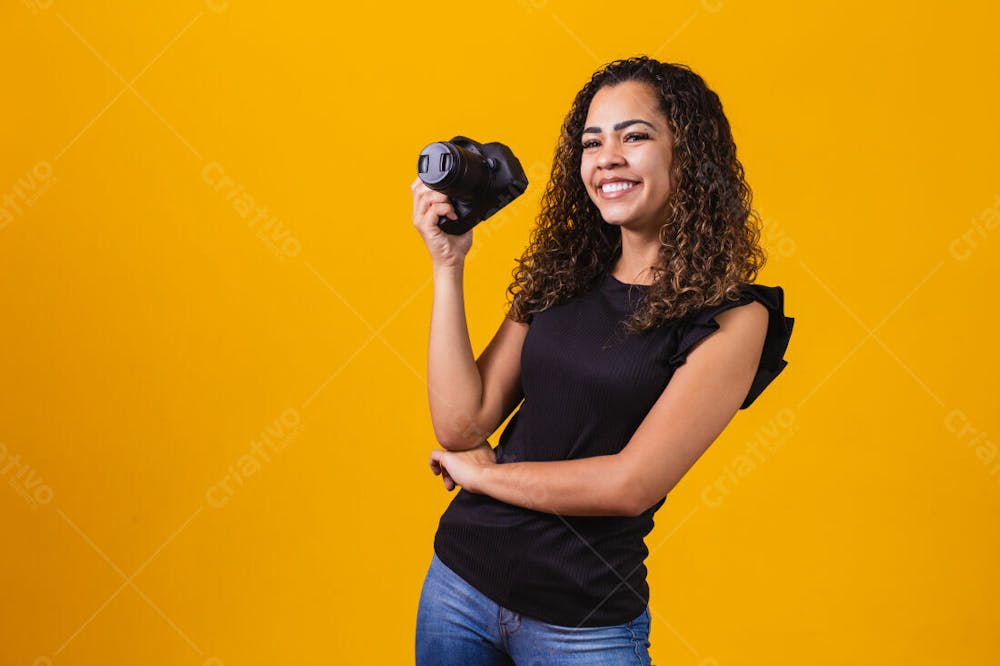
701	398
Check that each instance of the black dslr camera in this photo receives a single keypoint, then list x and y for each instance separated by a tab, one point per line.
480	179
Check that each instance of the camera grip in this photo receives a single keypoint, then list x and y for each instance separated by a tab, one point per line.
454	227
465	218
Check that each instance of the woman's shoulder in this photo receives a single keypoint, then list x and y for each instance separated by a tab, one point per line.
768	312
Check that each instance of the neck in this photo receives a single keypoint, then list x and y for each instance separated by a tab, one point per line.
639	253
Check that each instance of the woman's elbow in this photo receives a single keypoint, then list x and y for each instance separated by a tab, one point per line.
636	507
458	440
460	434
449	441
636	500
455	444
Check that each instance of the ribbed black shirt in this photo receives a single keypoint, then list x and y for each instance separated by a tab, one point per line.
587	386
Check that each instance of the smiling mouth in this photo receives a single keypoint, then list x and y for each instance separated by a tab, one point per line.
617	188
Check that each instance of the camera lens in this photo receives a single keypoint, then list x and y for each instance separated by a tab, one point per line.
450	168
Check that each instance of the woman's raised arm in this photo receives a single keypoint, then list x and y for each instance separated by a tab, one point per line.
468	399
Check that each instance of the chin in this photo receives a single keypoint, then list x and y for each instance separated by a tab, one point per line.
618	219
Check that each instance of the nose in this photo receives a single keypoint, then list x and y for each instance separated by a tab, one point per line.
609	155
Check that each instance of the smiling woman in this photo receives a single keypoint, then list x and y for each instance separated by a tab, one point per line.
627	171
634	335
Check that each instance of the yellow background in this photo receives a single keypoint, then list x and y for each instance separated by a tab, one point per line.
152	332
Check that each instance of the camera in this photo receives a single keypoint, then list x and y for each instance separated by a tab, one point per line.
479	179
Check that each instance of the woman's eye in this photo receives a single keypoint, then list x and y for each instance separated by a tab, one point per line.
628	137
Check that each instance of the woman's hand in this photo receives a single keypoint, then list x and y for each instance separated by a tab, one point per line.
447	250
463	468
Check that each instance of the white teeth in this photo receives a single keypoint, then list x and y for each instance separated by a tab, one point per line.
616	187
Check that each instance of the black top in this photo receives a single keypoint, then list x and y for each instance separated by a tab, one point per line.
587	386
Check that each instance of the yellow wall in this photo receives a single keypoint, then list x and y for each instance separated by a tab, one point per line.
206	246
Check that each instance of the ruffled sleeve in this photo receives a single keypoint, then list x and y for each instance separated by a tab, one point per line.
779	330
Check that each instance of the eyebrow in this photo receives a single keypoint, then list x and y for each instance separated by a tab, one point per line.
619	126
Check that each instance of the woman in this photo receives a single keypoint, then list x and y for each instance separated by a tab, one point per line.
634	335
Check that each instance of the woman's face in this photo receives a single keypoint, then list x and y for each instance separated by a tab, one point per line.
627	152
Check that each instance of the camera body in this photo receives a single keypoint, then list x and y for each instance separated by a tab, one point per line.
479	179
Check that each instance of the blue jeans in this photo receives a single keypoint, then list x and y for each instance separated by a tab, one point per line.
459	626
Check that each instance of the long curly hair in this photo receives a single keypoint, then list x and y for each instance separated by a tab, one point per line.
709	245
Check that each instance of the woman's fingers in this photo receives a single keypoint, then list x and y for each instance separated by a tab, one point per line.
423	193
438	468
428	206
423	199
443	208
429	201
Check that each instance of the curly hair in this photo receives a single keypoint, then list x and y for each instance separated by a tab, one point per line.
709	245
